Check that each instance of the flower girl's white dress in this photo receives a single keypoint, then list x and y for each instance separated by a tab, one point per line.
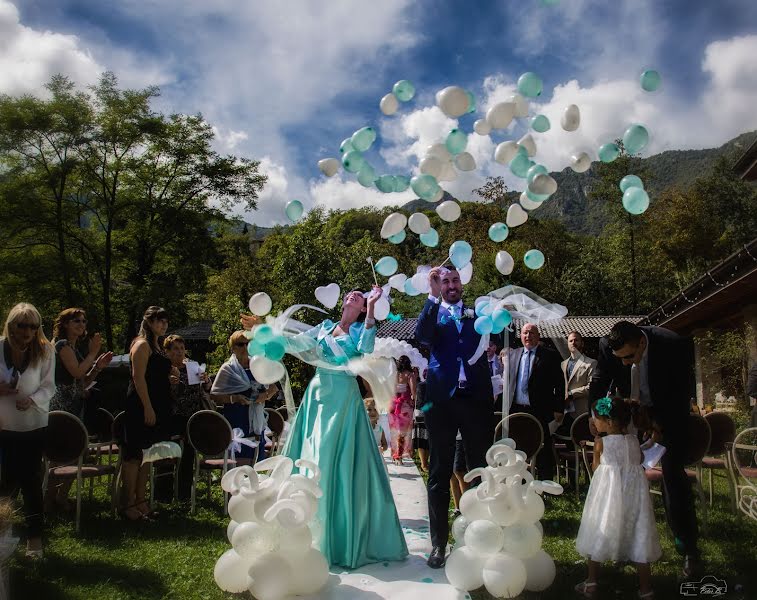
618	520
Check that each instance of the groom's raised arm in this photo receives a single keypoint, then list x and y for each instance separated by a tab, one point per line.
425	326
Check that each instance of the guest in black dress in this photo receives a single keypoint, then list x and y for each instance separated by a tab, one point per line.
148	407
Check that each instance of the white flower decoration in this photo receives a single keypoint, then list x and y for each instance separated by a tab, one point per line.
469	313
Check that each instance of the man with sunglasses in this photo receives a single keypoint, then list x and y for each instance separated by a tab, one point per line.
653	368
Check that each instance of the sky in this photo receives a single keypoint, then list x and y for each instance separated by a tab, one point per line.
285	83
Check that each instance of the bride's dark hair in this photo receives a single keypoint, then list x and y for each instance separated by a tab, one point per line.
361	316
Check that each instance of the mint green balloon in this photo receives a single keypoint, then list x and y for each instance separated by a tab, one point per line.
367	176
363	138
498	232
404	90
630	181
534	171
345	146
536	197
521	163
401	183
430	238
386	266
409	289
460	253
386	183
635	138
501	318
635	200
425	186
294	210
456	141
353	161
534	259
530	85
650	80
471	102
540	123
608	152
483	325
397	238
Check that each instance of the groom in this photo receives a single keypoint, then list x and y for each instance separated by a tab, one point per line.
458	396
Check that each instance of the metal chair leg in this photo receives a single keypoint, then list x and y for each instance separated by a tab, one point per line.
78	494
195	476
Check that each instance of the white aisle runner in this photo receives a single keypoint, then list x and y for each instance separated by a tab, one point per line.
410	579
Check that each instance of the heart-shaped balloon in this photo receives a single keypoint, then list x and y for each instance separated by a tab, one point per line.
328	295
516	215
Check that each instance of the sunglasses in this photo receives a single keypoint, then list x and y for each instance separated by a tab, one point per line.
31	326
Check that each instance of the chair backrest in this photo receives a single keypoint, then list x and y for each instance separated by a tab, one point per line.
526	432
275	422
579	429
744	454
282	410
209	433
117	428
723	430
67	438
698	436
101	425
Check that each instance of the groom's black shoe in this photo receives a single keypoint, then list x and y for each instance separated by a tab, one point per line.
436	558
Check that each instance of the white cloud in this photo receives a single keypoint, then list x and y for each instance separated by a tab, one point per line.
407	137
228	140
337	193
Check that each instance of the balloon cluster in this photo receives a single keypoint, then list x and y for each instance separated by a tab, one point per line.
493	317
498	537
394	348
272	529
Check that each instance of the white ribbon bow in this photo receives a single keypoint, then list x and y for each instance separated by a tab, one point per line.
237	440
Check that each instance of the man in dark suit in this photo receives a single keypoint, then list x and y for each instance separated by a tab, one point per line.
458	394
654	368
537	387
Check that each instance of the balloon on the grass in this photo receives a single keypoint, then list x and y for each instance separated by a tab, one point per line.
581	162
630	181
498	232
386	266
464	568
571	118
482	127
353	161
425	186
504	576
540	571
456	141
460	253
329	166
650	80
294	210
527	142
260	304
504	262
465	161
534	259
430	238
635	200
608	152
449	211
393	224
398	237
404	90
516	215
418	223
506	151
389	104
328	295
540	124
500	115
453	101
530	85
363	138
482	325
635	138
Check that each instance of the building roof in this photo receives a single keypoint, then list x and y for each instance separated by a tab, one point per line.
587	326
199	331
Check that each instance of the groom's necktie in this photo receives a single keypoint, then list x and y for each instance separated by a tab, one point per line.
523	376
457	313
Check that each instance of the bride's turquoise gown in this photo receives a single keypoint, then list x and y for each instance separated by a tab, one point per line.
359	521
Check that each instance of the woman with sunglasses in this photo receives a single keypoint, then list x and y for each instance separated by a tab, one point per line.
27	383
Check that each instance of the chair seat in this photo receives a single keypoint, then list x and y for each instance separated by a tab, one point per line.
655	475
87	471
710	462
216	463
748	472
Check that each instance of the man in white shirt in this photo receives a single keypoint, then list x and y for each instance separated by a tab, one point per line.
577	370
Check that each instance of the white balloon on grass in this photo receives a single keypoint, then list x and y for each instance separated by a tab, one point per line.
393	224
453	101
230	572
309	574
540	571
464	569
389	104
231	528
449	211
482	127
465	161
516	215
504	576
484	537
571	118
269	577
505	152
252	539
521	540
260	304
418	223
329	166
500	115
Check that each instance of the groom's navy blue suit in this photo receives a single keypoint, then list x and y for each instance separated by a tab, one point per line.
468	408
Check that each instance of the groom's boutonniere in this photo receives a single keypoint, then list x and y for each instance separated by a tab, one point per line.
469	313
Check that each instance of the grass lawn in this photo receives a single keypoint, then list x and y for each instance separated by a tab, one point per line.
174	557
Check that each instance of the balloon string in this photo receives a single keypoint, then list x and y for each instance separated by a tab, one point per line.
370	262
444	263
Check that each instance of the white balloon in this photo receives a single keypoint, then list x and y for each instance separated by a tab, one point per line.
504	576
419	223
502	510
521	105
533	508
309	573
270	577
440	151
516	215
389	104
500	115
540	571
571	118
438	196
449	173
431	165
420	282
527	142
580	163
251	540
482	127
381	309
449	211
465	161
260	304
328	295
543	184
265	370
230	572
527	203
464	569
459	525
329	166
296	541
484	536
466	273
393	224
453	101
242	509
471	507
521	540
504	262
230	528
398	281
505	152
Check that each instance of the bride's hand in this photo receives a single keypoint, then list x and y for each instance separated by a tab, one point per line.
376	293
